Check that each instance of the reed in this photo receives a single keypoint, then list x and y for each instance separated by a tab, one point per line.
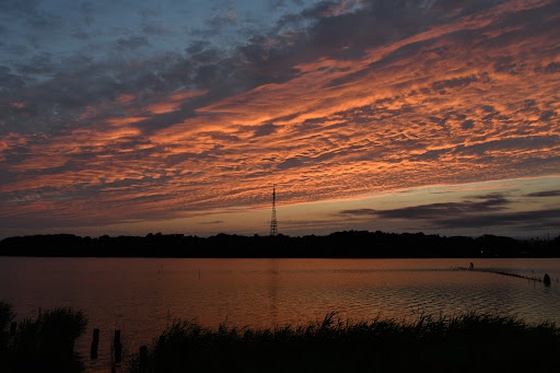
465	343
6	317
44	343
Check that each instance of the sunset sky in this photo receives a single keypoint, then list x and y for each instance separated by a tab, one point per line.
172	116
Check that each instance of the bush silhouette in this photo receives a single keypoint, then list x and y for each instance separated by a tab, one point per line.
46	342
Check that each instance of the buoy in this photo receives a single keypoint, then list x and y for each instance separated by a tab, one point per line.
546	279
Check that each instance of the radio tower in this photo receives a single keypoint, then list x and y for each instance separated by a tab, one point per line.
273	221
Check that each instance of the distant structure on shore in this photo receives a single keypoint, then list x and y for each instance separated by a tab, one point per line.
273	221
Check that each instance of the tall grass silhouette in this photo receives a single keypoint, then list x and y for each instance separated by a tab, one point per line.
44	343
465	343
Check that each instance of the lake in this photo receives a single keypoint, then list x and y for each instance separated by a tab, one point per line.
142	296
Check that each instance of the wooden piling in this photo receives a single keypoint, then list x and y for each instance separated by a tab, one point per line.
94	344
143	360
117	347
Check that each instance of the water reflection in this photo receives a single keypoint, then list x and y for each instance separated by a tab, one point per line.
273	280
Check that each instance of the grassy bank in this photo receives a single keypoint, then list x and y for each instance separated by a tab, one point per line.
464	343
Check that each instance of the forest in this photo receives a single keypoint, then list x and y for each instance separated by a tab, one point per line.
346	244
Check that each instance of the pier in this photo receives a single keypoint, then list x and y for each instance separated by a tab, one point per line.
545	280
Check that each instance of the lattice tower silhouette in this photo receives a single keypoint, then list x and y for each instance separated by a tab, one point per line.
273	220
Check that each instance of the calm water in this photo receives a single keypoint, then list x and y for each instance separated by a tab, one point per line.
142	296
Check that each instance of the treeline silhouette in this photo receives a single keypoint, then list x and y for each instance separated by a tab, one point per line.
347	244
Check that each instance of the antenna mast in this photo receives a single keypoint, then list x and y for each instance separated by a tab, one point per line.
273	221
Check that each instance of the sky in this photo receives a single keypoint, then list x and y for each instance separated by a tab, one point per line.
136	116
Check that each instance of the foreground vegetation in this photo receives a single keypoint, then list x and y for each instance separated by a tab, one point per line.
467	343
44	343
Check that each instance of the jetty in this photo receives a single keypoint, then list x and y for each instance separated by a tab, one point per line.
545	280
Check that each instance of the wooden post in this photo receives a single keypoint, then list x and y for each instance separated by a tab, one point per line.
94	344
117	347
13	327
143	354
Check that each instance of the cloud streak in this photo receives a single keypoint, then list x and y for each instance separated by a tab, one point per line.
479	212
